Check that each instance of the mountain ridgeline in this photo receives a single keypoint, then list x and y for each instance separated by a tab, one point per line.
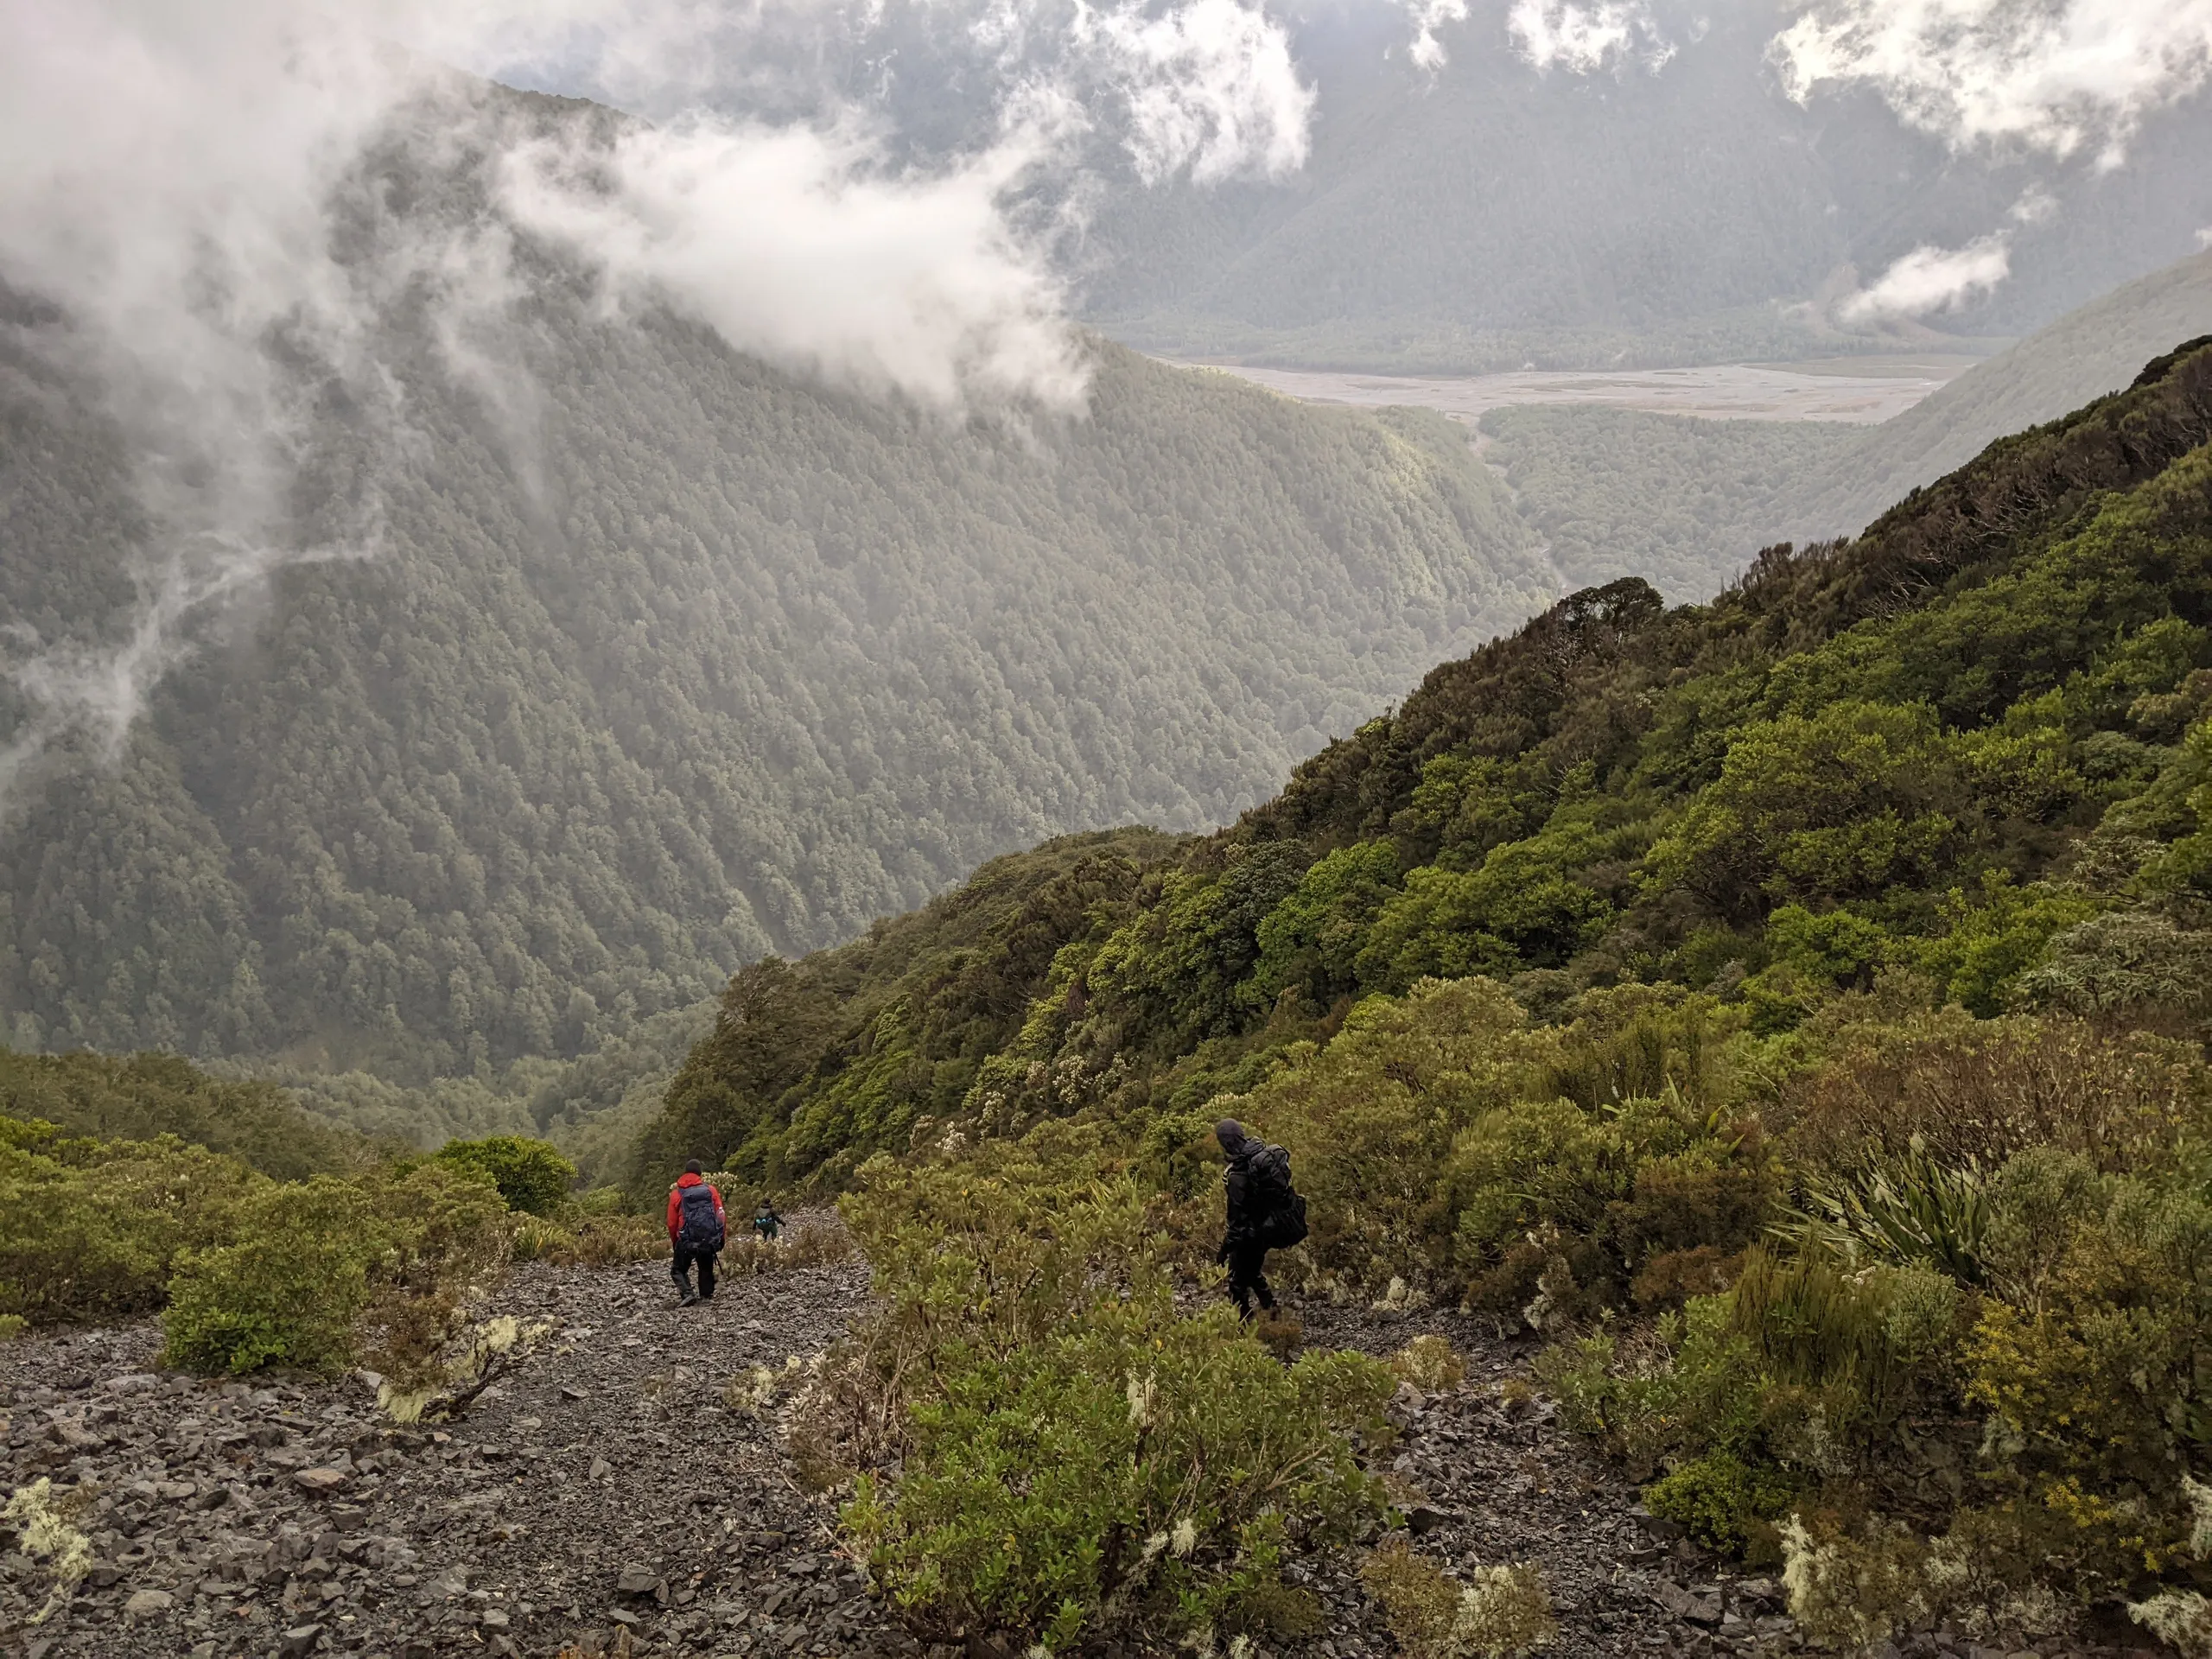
661	658
1968	747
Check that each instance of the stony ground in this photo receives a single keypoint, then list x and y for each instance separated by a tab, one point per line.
605	1499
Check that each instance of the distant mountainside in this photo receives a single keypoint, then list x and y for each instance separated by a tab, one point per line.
675	661
2097	349
1686	503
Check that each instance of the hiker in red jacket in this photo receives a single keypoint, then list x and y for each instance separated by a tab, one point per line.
694	1232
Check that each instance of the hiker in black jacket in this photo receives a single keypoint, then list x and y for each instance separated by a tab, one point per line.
1242	1249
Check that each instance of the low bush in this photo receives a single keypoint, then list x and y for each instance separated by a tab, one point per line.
1973	1092
1499	1613
569	1240
1076	1459
92	1229
1371	1121
288	1293
1720	1501
316	1268
1590	1205
1137	1470
532	1175
247	1271
1429	1364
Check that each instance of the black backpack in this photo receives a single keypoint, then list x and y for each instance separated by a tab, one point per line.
700	1228
1280	1211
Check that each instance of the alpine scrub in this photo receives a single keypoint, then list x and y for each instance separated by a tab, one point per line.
1076	1457
248	1272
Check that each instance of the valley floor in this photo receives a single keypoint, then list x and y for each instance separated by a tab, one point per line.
1859	392
605	1498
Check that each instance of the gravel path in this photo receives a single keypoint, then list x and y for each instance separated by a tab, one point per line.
605	1498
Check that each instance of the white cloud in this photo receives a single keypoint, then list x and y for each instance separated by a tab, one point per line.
1210	89
1585	39
793	245
2053	75
2204	238
1429	16
1931	279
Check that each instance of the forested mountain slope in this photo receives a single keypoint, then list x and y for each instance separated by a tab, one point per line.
1971	732
659	658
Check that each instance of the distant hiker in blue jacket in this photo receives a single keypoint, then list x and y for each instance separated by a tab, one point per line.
694	1232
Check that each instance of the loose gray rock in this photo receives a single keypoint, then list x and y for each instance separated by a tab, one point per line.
145	1603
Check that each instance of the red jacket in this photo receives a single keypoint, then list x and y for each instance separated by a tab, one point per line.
676	1202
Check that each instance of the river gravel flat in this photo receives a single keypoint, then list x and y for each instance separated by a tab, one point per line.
1862	391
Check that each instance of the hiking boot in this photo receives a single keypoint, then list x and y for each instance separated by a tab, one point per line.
691	1299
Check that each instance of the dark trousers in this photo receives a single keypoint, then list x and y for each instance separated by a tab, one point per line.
1248	1278
680	1270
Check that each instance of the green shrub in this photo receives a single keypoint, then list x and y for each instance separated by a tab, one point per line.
1721	1500
287	1294
1692	1387
1429	1364
532	1175
1004	1246
2099	1384
1370	1119
1905	1207
436	1237
1973	1092
1607	1191
573	1238
92	1229
1851	1592
1075	1456
1135	1469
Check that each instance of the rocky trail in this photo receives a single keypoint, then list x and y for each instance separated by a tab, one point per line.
605	1499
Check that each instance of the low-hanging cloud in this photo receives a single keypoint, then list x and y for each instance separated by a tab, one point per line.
171	175
1427	52
1211	90
2055	76
1583	39
1930	279
793	248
